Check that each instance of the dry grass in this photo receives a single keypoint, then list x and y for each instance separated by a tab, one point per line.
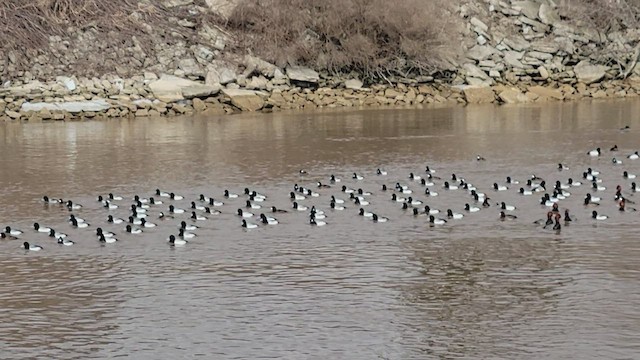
372	37
605	14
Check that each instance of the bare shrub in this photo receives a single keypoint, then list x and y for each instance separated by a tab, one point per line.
373	37
605	14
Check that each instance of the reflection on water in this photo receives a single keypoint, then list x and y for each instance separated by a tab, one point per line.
476	288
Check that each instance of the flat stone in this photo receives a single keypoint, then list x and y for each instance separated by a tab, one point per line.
539	55
479	24
95	105
513	96
588	73
353	84
512	58
12	114
529	9
516	43
171	88
220	72
67	82
479	95
548	15
536	25
257	83
299	73
245	100
545	92
481	52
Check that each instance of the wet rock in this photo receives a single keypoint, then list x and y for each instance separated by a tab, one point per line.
479	95
588	73
299	73
245	100
547	93
513	96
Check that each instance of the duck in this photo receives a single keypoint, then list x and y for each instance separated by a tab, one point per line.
113	220
185	235
573	183
147	224
594	152
452	215
414	177
556	225
633	156
99	232
417	212
381	172
413	202
633	186
429	170
379	219
31	247
560	186
136	208
336	200
333	179
250	205
485	203
162	193
8	237
173	196
189	227
357	177
268	220
497	187
562	167
78	225
449	187
15	232
199	207
504	206
64	242
524	192
430	211
313	210
335	206
175	210
308	192
395	198
512	181
480	158
546	222
72	206
314	222
436	221
47	200
153	201
596	216
244	214
276	210
597	187
297	197
138	215
107	240
108	205
299	207
163	216
614	148
424	182
115	198
248	225
616	161
79	220
323	186
132	230
303	172
626	175
135	221
504	216
41	229
470	208
177	242
230	195
197	217
428	192
622	206
364	213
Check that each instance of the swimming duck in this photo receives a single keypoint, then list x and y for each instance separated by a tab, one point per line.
428	170
268	220
321	185
15	232
177	242
244	214
395	198
480	158
175	210
597	187
107	240
252	206
573	183
99	232
64	242
108	205
567	216
299	207
512	181
135	220
163	216
230	195
31	247
132	230
357	177
137	198
184	225
162	193
381	172
424	182
314	222
413	202
115	198
497	187
626	175
556	225
51	201
248	225
200	207
449	187
633	156
113	220
365	213
616	161
595	152
470	208
78	225
296	197
334	179
562	167
185	235
147	224
504	216
596	216
434	221
414	177
309	193
428	192
173	196
334	206
379	219
72	206
546	222
41	229
8	237
452	215
504	206
276	210
525	192
430	211
336	200
73	217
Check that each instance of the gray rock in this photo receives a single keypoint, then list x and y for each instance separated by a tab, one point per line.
190	67
171	89
220	72
480	52
588	73
246	100
204	53
481	40
479	24
529	9
545	46
536	25
539	55
67	82
299	73
257	83
96	105
544	73
263	67
475	76
512	58
516	43
353	84
223	8
548	15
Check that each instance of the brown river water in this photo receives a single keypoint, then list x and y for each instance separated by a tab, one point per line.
473	288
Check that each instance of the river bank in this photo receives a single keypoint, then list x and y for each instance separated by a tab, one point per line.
512	52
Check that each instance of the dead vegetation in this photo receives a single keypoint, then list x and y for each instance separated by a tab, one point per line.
605	14
376	38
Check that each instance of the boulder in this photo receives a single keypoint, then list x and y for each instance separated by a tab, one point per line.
220	72
258	83
547	93
304	74
258	65
479	95
12	114
588	73
67	82
544	73
199	105
481	52
190	67
513	96
475	75
353	84
171	88
548	15
96	105
245	100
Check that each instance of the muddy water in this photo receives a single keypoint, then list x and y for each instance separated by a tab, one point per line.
353	289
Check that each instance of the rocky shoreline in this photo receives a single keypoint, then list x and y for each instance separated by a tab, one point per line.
515	52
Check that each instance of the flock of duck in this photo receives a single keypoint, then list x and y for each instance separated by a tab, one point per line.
255	210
